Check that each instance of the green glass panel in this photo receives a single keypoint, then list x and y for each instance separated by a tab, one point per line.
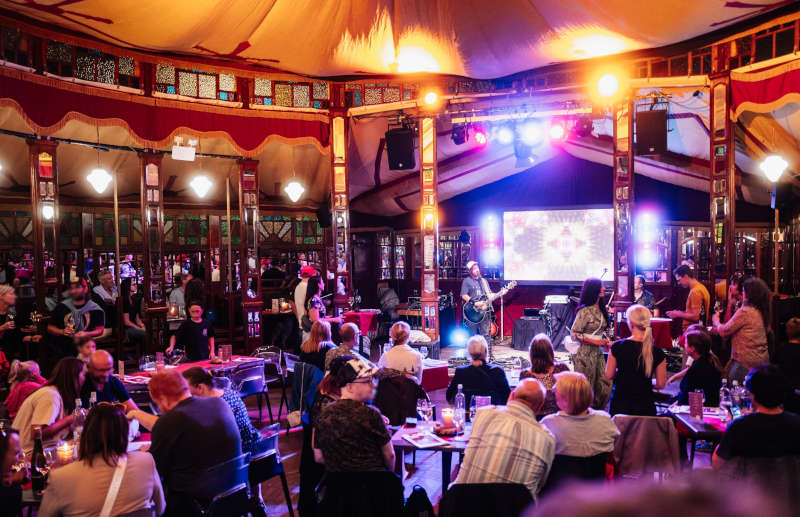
181	228
192	241
108	241
236	240
204	227
98	227
223	228
192	217
123	227
310	240
168	217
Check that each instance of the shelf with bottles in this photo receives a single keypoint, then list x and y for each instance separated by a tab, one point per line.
694	249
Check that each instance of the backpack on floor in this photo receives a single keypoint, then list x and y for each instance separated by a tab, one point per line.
418	504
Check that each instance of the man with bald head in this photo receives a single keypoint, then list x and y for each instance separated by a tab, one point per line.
100	379
508	445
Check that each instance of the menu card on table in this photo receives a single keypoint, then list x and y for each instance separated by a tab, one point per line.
422	440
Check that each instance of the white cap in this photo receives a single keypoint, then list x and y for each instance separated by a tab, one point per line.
470	264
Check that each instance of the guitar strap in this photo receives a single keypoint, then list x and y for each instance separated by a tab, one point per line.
485	287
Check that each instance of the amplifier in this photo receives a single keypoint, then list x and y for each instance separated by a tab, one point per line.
530	311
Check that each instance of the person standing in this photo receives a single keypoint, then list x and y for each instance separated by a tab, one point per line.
105	295
589	329
75	318
195	335
300	290
178	297
12	340
632	364
747	330
473	287
697	304
132	311
508	445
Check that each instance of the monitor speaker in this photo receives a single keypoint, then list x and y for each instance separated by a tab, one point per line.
324	216
400	148
651	132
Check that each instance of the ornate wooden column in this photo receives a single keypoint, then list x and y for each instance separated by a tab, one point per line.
429	226
152	205
623	113
723	181
45	216
249	271
340	198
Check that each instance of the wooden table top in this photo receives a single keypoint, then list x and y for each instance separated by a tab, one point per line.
453	445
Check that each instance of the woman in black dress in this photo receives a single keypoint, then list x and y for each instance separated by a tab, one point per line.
705	373
632	364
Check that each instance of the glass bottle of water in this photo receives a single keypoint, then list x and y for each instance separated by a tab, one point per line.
78	418
92	399
725	402
460	405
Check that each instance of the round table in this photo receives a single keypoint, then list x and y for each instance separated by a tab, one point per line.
662	335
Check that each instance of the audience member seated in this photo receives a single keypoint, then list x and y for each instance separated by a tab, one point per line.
201	385
81	488
350	435
12	340
768	432
195	335
101	381
479	378
401	356
642	296
315	349
543	369
311	472
508	445
191	435
788	360
579	430
132	311
698	497
75	318
105	295
632	364
747	329
10	480
349	334
50	407
85	347
705	372
23	379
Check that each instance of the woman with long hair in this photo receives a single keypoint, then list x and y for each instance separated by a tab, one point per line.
50	407
314	349
81	487
544	369
131	310
314	306
705	373
12	340
747	330
589	329
632	364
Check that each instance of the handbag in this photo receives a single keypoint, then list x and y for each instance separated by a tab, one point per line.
113	489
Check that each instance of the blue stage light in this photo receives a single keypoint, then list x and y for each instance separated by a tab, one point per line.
459	337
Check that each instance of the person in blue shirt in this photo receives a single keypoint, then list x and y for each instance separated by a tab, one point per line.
99	379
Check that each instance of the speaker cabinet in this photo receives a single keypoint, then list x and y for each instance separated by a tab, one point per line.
651	132
324	216
400	149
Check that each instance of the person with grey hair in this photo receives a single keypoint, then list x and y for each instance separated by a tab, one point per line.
479	377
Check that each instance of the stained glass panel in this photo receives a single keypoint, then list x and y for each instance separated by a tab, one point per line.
391	95
227	82
126	66
85	65
207	86
283	95
57	51
263	88
320	91
372	96
187	84
105	69
301	96
165	74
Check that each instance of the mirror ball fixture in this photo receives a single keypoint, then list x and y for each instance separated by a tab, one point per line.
99	179
294	190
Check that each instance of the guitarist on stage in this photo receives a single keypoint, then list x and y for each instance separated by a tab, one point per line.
475	286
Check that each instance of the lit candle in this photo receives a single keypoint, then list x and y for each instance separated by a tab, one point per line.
64	453
447	417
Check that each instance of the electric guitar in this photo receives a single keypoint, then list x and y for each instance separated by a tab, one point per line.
476	310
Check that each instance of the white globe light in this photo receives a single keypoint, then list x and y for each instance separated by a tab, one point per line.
431	98
773	166
294	190
99	179
201	185
505	135
48	212
607	85
531	133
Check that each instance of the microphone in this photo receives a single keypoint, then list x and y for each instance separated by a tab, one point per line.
605	270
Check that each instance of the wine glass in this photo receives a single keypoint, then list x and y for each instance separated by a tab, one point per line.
424	351
473	409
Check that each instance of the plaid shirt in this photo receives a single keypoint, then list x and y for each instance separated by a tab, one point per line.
508	445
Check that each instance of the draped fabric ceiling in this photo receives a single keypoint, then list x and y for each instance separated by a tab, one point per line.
464	37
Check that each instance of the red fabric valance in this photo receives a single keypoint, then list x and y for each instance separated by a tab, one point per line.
767	90
47	104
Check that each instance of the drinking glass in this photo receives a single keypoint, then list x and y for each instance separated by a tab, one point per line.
226	352
424	351
473	409
159	360
424	410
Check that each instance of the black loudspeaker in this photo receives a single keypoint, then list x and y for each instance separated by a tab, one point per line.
400	148
783	196
651	132
530	311
324	216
